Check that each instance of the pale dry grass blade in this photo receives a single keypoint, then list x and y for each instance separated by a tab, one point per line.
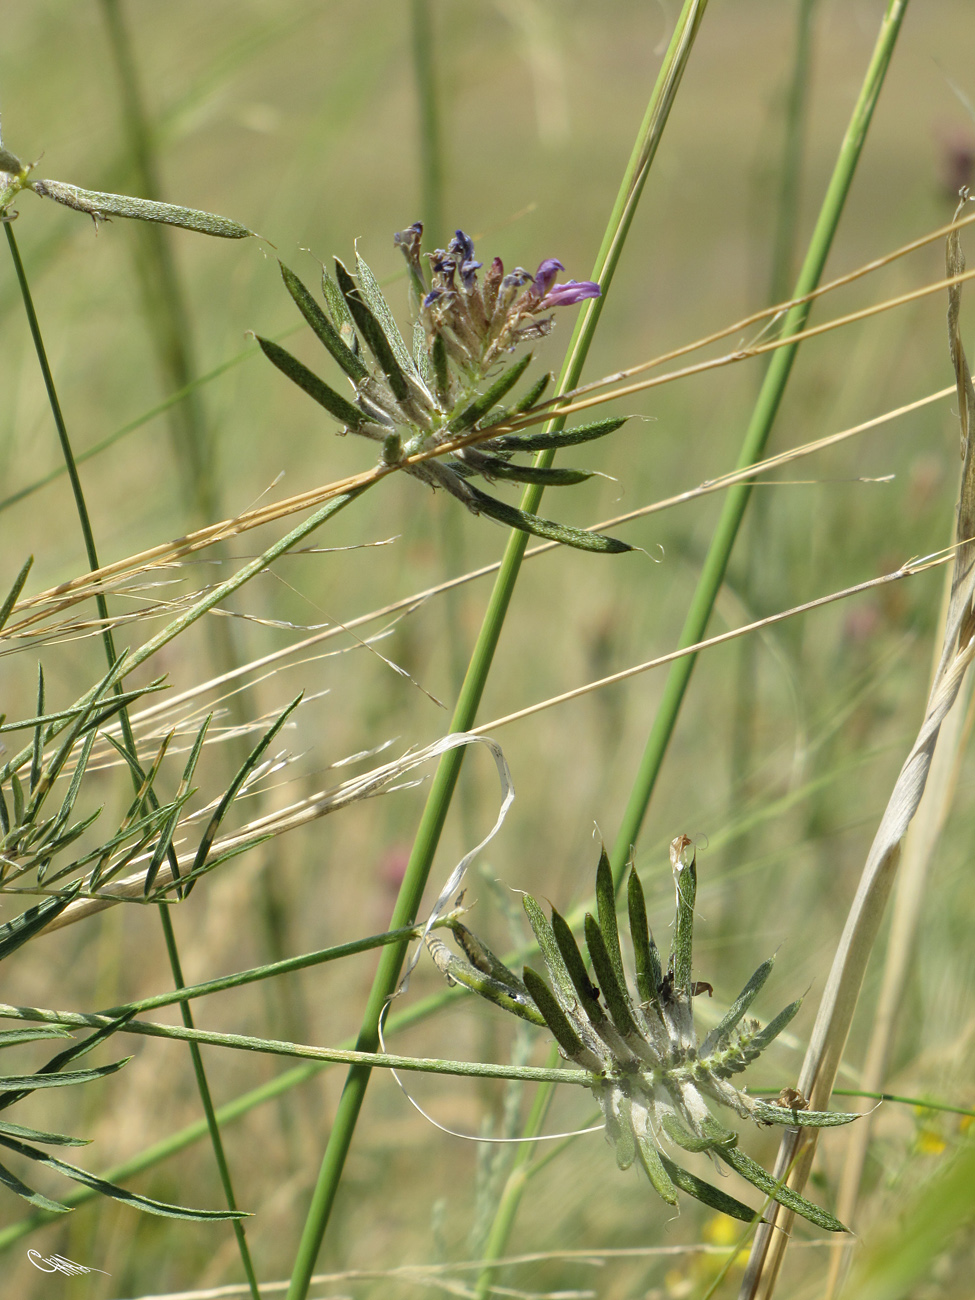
920	847
32	630
845	979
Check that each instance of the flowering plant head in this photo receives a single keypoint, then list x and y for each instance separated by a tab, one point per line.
446	390
654	1083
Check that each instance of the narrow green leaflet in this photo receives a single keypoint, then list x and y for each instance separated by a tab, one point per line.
706	1194
373	295
322	326
562	438
616	996
758	1177
554	476
547	528
25	926
372	332
13	594
722	1030
112	1190
309	382
102	207
645	955
481	405
555	1017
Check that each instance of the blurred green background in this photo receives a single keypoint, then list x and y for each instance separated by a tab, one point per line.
301	121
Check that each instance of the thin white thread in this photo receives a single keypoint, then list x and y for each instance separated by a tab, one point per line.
457	875
473	1137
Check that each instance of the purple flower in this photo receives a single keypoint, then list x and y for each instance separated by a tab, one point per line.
546	274
565	295
462	247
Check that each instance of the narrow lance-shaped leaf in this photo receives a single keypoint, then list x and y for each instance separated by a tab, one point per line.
372	332
482	958
547	528
706	1194
683	861
17	790
309	382
657	1171
420	355
13	1037
323	327
560	438
509	993
481	405
606	914
74	788
547	476
645	953
688	1141
25	926
93	720
13	594
534	393
65	749
758	1177
101	207
561	979
441	372
770	1114
339	310
232	790
719	1034
39	1135
165	840
587	991
38	747
617	1000
113	1190
376	301
27	1083
54	1068
775	1027
28	1194
555	1017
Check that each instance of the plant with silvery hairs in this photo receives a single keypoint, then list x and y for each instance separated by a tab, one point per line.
654	1084
445	394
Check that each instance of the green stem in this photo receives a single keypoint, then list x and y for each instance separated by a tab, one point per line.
504	1215
759	429
111	655
226	1114
303	1051
431	148
784	245
209	1110
441	792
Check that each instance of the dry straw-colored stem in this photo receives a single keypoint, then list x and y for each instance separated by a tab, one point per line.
845	980
86	585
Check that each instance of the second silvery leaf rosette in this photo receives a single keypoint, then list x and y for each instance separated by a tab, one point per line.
452	382
653	1082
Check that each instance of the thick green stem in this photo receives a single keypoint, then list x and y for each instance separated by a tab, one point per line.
438	801
759	429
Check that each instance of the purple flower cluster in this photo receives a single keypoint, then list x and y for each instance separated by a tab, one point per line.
479	320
